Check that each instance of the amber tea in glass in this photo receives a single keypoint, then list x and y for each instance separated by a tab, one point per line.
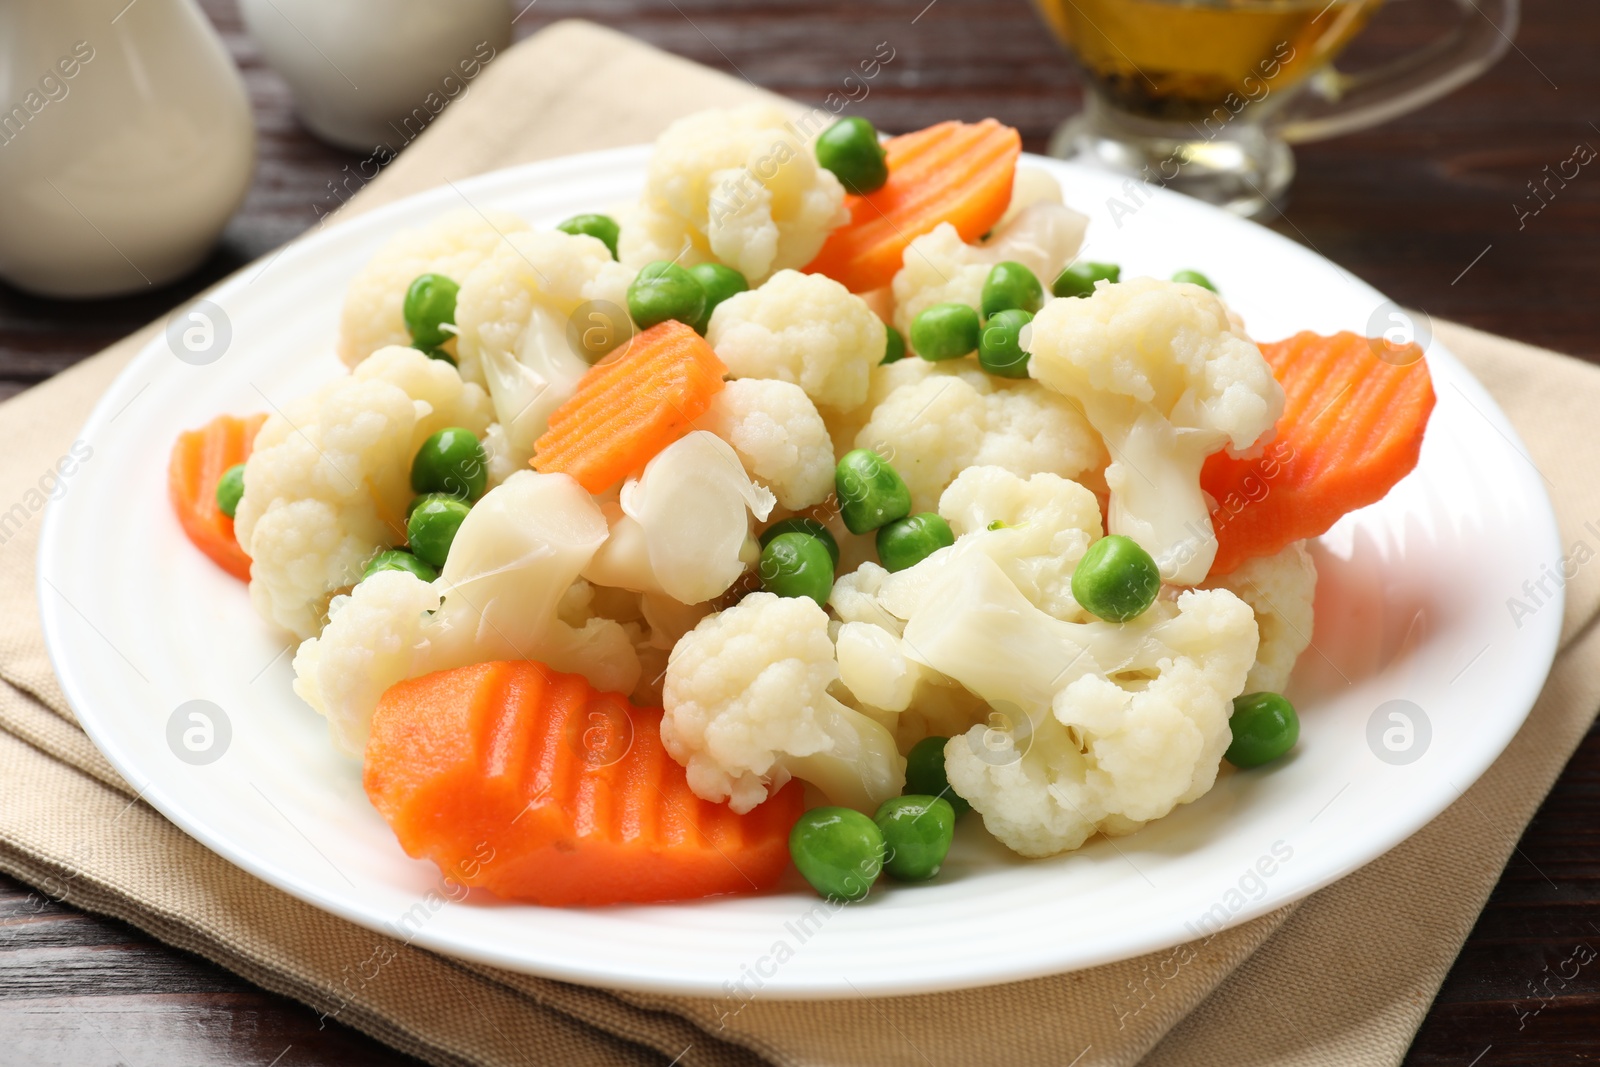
1203	95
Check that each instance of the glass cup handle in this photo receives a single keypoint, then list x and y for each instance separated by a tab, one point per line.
1336	103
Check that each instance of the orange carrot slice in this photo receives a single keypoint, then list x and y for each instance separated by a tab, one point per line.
954	172
628	408
199	458
1351	428
531	784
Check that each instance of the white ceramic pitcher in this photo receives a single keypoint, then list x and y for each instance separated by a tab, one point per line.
367	73
126	143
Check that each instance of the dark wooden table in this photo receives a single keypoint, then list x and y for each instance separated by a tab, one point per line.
1423	208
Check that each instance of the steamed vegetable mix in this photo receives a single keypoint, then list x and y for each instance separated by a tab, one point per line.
839	851
430	307
945	331
925	773
1194	277
1116	579
906	542
1350	429
894	348
917	831
800	524
230	490
626	410
1011	286
954	173
664	291
539	788
1000	350
1079	278
870	492
669	540
797	564
602	227
451	462
718	283
432	525
850	149
1264	727
398	559
201	461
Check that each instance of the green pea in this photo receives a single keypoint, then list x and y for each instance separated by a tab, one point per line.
452	462
1000	345
802	524
1010	286
1079	278
870	492
838	850
945	331
907	542
796	564
663	291
1116	579
603	227
850	148
1264	727
719	283
1194	277
925	773
917	831
430	305
230	489
432	526
398	559
894	346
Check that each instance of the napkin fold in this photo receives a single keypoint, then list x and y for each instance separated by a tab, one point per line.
1348	973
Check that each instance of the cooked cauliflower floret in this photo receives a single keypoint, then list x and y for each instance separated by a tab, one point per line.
1167	379
940	267
806	329
739	186
1030	186
1041	528
515	313
1036	529
943	418
857	597
905	696
329	478
510	574
747	708
1280	588
775	429
683	526
1098	726
452	245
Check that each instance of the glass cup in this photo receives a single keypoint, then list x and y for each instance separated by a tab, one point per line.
1205	96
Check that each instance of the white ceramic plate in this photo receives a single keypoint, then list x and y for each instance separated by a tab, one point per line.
1412	608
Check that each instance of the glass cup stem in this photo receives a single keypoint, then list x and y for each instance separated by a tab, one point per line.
1237	165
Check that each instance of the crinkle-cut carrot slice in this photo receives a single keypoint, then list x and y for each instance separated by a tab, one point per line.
1354	414
533	785
199	459
954	172
629	407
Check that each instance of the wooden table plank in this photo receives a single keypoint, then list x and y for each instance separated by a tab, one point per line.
1407	207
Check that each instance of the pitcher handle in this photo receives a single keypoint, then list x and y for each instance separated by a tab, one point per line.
1336	103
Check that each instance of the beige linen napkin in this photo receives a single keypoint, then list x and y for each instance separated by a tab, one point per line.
1348	973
